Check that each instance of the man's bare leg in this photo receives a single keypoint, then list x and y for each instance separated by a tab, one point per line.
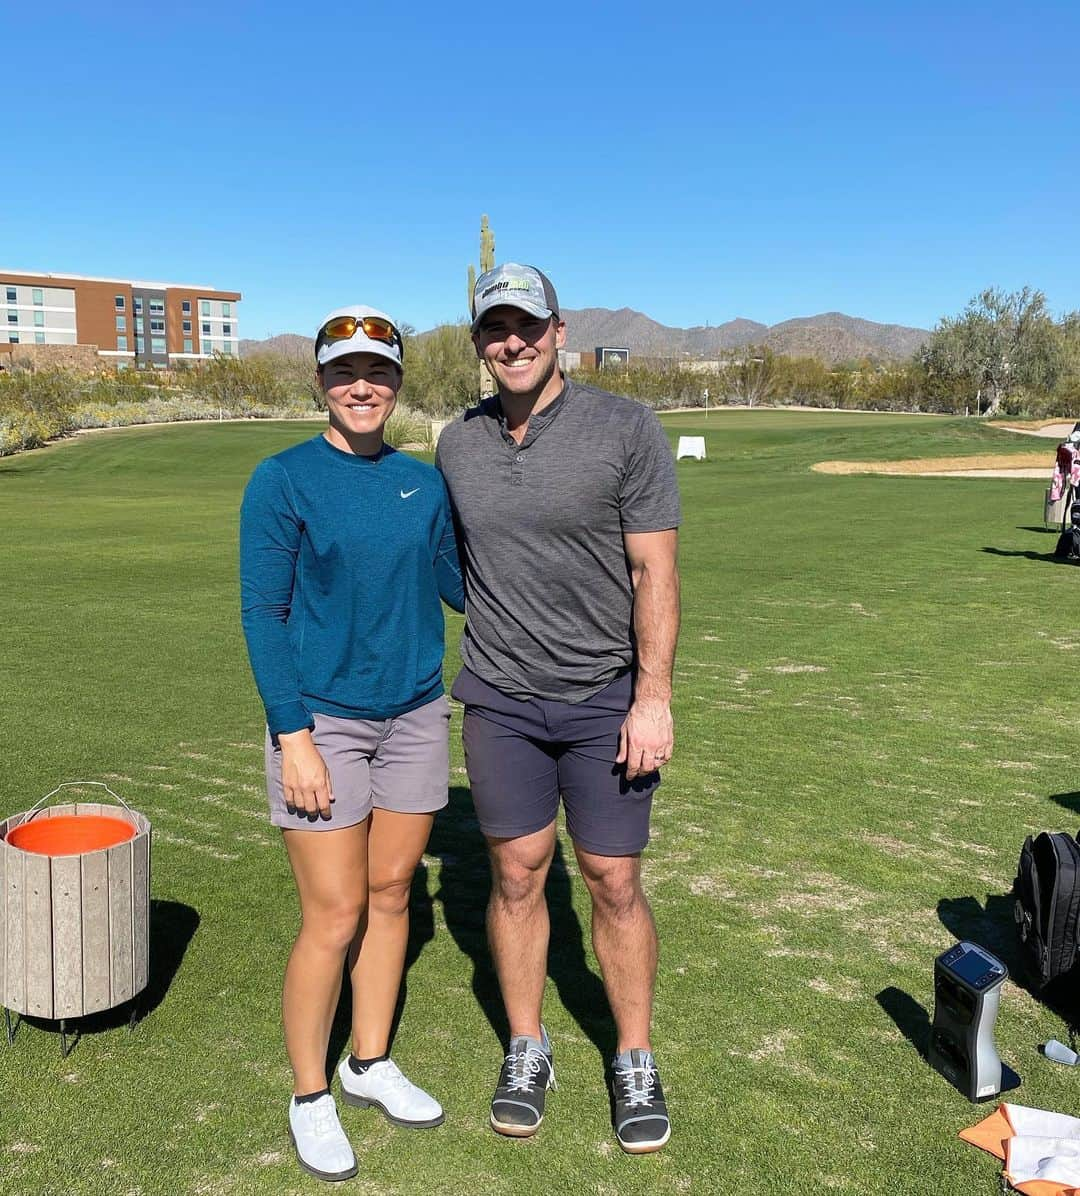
624	939
518	926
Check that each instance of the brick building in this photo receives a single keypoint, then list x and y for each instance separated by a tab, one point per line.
128	322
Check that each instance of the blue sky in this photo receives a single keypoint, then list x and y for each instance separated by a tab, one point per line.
696	162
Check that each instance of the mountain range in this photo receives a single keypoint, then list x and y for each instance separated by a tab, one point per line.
831	337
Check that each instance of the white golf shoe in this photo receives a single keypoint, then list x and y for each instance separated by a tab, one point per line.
399	1099
321	1146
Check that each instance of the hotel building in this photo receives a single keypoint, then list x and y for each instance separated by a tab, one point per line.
132	323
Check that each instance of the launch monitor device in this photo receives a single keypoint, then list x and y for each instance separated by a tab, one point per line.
967	989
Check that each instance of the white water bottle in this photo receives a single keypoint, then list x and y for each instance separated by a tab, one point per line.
1060	1053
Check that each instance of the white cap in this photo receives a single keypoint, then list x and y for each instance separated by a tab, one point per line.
359	342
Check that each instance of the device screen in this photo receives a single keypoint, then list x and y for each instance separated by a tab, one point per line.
972	966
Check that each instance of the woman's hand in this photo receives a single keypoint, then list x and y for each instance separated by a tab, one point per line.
304	775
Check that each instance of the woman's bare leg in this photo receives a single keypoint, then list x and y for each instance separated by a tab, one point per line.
395	844
331	874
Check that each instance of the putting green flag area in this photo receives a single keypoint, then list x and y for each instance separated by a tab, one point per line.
875	702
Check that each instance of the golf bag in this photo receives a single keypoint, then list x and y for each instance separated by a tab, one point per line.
1068	544
1046	907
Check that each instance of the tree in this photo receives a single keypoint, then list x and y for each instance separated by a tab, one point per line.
1002	343
750	375
440	371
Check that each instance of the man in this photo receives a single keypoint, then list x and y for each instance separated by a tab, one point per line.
567	510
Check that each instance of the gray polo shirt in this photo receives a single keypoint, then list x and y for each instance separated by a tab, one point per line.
548	594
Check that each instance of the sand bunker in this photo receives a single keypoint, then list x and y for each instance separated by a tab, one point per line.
989	465
1054	429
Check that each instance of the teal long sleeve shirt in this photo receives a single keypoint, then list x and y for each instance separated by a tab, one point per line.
343	561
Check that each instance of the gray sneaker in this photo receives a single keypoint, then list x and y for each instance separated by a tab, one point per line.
638	1109
517	1108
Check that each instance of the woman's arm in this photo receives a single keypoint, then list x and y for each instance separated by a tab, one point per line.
448	574
270	531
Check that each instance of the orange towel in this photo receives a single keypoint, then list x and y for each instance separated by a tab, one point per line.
1031	1143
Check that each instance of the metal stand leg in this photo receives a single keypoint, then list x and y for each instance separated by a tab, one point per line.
65	1047
133	1021
10	1027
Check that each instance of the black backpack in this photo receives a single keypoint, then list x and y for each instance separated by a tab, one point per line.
1046	906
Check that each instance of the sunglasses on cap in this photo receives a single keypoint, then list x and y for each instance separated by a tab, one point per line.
375	328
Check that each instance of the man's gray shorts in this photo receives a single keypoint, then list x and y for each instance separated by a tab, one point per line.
400	764
521	754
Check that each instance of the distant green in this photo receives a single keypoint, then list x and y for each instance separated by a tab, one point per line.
876	700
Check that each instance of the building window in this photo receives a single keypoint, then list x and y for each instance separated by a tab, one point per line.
11	295
226	330
187	327
121	343
138	324
119	302
157	307
39	319
39	338
226	309
226	348
205	307
13	338
206	330
157	344
157	325
185	307
140	345
121	323
13	317
138	305
39	296
187	345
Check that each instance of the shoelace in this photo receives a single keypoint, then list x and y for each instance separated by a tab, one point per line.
524	1067
394	1075
639	1084
324	1121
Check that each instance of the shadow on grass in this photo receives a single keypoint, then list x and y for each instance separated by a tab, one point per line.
910	1017
172	927
1069	801
1049	557
465	885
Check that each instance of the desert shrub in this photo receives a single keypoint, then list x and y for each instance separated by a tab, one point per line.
406	427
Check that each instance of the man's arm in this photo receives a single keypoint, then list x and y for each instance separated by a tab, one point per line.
647	737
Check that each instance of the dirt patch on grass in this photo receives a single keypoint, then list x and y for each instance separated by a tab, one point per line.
1007	465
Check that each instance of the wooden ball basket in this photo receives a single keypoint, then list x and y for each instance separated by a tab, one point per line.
75	907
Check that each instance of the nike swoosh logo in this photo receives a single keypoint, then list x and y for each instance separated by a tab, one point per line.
408	493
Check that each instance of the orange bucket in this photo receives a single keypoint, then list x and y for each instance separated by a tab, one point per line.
70	834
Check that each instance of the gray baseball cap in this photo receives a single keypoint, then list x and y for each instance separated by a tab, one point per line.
327	348
514	285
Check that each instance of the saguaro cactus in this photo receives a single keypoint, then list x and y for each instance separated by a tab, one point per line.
487	262
487	246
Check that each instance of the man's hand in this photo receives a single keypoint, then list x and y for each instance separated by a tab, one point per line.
646	738
304	775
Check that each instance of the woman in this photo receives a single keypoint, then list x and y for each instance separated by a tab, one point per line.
346	547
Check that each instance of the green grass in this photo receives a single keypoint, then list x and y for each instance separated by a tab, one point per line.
875	702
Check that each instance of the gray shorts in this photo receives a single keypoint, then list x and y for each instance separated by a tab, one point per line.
522	755
400	764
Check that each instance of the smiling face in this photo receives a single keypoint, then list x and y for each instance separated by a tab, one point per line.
521	351
361	393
